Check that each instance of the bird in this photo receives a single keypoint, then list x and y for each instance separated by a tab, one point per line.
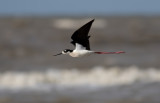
80	39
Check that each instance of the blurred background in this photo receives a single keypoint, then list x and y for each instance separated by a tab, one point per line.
32	31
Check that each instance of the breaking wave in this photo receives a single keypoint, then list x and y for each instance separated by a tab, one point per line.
97	76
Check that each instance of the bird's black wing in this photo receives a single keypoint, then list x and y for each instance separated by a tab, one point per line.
80	36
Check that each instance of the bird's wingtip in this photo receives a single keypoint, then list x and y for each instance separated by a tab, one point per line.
92	20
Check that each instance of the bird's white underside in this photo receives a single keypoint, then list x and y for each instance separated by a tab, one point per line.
80	53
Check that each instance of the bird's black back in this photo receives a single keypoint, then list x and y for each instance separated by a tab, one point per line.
81	35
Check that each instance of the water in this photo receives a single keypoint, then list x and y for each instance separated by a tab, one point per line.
29	43
96	85
29	72
95	77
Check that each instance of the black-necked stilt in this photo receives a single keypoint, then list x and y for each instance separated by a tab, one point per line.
81	42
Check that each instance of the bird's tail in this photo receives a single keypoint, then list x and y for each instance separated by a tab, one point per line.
118	52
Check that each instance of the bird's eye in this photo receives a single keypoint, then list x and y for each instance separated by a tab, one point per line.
65	50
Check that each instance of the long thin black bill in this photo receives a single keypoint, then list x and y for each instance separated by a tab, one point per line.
57	54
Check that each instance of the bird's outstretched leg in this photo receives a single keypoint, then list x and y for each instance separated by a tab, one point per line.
118	52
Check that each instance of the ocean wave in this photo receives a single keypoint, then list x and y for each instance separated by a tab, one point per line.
97	76
73	24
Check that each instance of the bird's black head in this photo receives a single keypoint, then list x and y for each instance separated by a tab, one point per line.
67	51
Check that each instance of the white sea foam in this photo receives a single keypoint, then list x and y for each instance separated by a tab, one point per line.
98	76
74	24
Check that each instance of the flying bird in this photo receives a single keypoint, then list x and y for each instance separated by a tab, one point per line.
80	40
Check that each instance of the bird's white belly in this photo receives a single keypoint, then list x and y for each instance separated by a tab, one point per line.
81	53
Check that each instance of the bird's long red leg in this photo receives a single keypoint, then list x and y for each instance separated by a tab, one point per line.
118	52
